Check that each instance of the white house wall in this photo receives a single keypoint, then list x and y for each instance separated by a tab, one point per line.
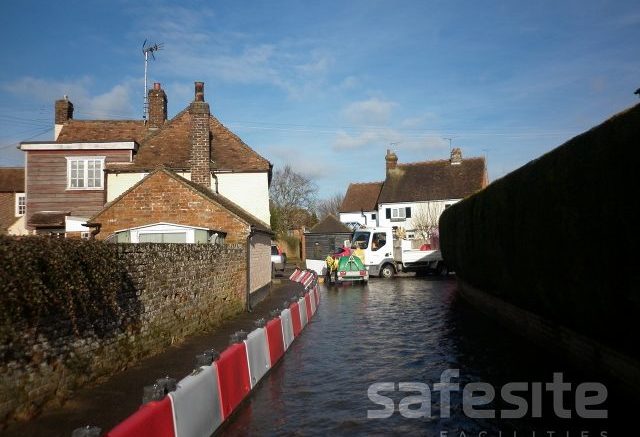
248	190
357	217
434	208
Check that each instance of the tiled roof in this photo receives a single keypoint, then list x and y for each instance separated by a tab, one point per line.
433	180
12	180
329	225
361	197
78	131
48	219
169	145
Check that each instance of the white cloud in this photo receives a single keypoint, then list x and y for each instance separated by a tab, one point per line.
195	47
371	112
114	103
373	137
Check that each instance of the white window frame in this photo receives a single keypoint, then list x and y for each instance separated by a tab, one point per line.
395	213
20	196
85	160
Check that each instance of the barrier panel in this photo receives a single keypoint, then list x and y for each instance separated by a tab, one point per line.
312	300
196	403
152	419
257	355
295	319
308	276
287	328
233	377
307	301
275	340
302	305
309	280
296	273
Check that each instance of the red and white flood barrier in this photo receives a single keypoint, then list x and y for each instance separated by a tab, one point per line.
198	404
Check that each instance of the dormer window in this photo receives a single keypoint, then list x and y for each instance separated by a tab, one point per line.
85	173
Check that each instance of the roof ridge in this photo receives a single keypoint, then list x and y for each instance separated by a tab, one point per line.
438	161
366	183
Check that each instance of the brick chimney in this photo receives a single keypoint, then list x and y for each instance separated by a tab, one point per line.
63	113
200	138
392	160
157	106
456	156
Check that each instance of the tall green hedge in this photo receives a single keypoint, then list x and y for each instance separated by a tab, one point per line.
560	236
49	282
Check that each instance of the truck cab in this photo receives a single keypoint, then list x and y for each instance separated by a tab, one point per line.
385	253
377	244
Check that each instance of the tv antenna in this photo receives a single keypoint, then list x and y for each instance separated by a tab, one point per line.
148	50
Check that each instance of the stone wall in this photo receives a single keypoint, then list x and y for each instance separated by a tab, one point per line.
164	293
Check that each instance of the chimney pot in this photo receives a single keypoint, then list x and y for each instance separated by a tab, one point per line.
392	160
199	89
157	86
456	156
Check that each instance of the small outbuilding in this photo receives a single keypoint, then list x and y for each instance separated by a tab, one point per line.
325	237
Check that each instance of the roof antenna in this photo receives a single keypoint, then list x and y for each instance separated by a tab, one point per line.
148	49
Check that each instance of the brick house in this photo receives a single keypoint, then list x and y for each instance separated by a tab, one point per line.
12	200
413	195
165	207
92	162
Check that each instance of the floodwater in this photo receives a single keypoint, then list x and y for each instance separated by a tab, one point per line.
410	330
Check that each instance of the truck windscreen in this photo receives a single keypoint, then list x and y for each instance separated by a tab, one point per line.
360	240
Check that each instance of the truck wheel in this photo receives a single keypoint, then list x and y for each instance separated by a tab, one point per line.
387	271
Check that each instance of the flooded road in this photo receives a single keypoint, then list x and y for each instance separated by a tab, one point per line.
408	330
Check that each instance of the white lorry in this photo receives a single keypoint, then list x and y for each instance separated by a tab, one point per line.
385	253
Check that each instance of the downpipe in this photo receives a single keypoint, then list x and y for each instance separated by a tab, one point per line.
252	232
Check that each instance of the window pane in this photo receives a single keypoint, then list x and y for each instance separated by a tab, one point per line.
149	238
179	237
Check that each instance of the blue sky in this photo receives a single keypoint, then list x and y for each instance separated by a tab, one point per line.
328	86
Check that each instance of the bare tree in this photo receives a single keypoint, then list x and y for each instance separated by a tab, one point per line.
292	195
425	220
330	205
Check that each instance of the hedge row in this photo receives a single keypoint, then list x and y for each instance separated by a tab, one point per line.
46	282
560	235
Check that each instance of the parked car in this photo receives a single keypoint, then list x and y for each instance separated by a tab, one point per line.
278	258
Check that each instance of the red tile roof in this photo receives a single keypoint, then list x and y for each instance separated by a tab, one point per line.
12	180
361	197
433	180
79	131
168	145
